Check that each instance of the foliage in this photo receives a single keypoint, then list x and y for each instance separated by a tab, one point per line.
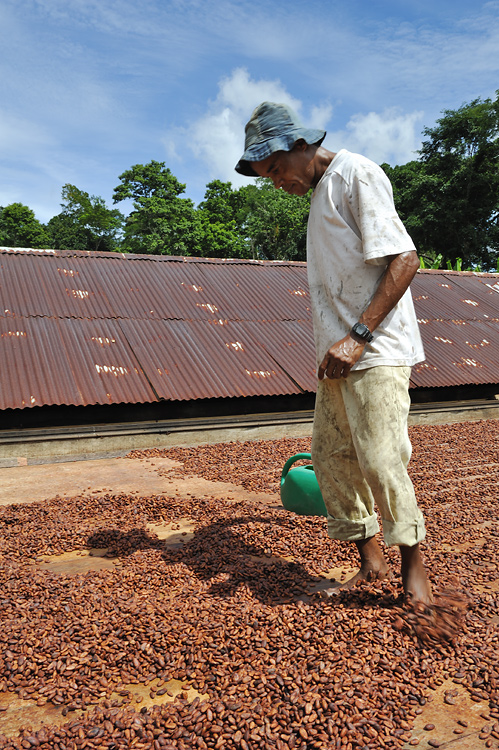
449	199
222	240
100	224
161	223
66	233
20	228
255	221
222	204
275	222
220	215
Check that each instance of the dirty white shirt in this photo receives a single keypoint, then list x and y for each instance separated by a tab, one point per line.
352	228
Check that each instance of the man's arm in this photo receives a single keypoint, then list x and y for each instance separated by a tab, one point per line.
341	357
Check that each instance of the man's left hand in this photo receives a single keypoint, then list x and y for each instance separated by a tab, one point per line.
340	358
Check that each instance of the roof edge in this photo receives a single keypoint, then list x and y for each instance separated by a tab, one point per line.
152	258
447	272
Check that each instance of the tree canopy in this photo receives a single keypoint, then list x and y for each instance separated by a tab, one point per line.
20	228
448	199
276	223
90	213
161	222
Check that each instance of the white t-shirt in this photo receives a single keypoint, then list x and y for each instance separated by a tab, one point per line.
352	228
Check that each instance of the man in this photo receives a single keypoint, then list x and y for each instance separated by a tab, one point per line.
360	263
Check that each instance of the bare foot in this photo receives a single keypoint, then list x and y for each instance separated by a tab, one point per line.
373	566
417	587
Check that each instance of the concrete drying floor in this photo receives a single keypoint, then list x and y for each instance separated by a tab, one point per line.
27	484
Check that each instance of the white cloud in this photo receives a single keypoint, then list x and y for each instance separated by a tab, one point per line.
433	63
389	136
320	116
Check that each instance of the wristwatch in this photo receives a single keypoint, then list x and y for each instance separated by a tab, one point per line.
362	331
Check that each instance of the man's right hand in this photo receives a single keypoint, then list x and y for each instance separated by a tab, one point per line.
340	358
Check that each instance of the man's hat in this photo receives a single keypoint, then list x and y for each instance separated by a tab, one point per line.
273	127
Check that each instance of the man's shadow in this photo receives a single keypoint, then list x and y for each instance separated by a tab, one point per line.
218	553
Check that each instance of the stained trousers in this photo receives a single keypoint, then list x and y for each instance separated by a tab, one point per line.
360	453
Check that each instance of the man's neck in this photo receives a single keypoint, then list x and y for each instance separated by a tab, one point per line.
322	160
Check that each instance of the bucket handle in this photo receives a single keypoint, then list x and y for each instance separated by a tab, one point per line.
291	461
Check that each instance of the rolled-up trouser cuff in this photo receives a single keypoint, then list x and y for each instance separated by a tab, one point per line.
405	534
352	531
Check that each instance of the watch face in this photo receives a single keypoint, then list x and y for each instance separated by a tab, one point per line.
362	331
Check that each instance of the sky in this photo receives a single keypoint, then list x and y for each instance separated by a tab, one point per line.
88	88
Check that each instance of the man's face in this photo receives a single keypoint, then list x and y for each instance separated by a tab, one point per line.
290	170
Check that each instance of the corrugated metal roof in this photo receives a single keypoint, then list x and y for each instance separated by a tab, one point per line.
458	313
81	328
98	328
458	353
440	295
68	361
112	285
216	359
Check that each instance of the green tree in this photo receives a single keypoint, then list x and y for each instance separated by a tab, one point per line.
449	200
92	218
409	185
275	222
66	233
162	222
220	213
222	240
20	228
221	203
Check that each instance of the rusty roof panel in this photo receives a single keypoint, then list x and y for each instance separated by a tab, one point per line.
239	289
208	359
77	362
291	343
440	295
138	287
458	353
51	286
217	291
458	313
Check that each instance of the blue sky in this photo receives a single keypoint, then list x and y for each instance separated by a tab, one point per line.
89	88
